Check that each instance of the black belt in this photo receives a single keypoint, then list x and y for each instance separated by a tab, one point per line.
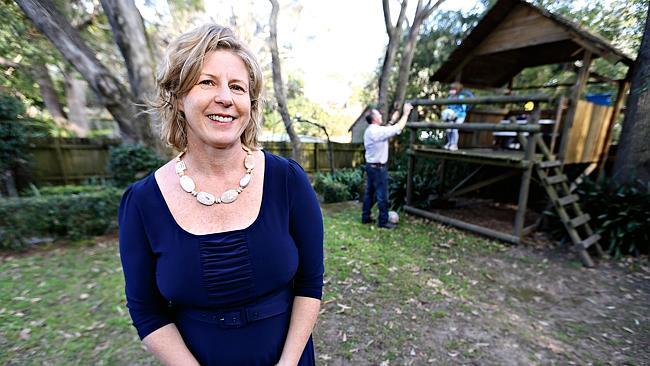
377	165
235	318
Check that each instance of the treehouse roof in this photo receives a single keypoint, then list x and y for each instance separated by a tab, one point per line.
514	35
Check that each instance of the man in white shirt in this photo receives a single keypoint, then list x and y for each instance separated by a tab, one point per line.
375	140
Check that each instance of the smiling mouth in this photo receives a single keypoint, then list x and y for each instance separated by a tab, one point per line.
222	119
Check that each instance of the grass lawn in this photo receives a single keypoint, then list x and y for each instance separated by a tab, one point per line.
422	294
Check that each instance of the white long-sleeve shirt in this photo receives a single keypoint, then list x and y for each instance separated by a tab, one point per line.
375	140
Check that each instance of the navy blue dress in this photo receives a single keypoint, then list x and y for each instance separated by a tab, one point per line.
229	293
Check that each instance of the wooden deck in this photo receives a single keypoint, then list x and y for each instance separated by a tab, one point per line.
508	158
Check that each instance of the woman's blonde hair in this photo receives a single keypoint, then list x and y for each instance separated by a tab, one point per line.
180	71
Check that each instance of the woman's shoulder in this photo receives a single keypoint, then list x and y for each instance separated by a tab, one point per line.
140	189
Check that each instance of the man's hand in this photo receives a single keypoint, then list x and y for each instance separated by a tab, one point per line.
402	122
407	108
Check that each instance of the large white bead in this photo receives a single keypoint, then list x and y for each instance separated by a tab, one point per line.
249	162
229	196
245	180
180	167
187	184
205	198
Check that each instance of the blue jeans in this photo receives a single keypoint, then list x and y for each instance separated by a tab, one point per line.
453	134
376	190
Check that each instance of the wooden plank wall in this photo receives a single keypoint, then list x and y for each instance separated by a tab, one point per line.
587	135
523	27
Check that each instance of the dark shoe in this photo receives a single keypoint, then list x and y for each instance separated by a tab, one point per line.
367	221
388	226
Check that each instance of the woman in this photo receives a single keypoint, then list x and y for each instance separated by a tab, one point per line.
222	246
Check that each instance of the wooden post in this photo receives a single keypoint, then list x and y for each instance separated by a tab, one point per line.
576	92
529	157
411	162
59	158
561	106
623	88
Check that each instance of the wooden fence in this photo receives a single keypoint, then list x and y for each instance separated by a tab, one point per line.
73	160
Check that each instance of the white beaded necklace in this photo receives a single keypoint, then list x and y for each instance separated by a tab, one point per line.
208	199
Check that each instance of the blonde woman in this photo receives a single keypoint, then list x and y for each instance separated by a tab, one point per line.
222	248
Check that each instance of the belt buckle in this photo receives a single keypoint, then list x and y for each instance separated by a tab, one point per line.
233	319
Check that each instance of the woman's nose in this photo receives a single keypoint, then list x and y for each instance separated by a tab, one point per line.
223	95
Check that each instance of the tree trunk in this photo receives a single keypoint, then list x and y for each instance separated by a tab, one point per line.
66	39
130	36
46	87
41	75
394	38
75	91
633	154
10	183
278	85
421	14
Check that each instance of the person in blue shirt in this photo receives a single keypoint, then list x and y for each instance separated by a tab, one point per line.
455	113
221	247
375	141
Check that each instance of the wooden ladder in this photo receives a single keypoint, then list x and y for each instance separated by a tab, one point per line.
566	205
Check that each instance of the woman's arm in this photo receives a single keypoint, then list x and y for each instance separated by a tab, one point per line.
303	318
147	307
168	346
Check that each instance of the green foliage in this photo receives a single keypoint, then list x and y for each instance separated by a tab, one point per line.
439	37
64	190
13	137
73	216
10	107
620	213
128	163
343	185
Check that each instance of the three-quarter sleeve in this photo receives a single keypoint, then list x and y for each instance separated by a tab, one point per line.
306	228
147	307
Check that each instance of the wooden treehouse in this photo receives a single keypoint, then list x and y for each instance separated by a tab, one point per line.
534	143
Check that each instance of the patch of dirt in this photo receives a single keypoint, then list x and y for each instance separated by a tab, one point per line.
487	213
523	306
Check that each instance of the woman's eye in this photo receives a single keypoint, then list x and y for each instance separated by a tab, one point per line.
206	83
238	88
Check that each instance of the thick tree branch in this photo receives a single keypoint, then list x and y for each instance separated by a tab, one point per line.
67	40
278	85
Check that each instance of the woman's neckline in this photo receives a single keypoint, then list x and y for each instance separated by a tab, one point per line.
216	233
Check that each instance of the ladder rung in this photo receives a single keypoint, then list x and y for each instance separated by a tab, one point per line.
549	164
580	220
556	179
589	241
568	199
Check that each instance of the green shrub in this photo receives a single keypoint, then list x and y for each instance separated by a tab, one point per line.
620	213
10	107
72	216
343	185
332	190
13	138
128	163
64	190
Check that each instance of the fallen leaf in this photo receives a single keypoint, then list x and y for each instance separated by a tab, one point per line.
25	333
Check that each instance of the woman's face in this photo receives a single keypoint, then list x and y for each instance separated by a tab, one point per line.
218	108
